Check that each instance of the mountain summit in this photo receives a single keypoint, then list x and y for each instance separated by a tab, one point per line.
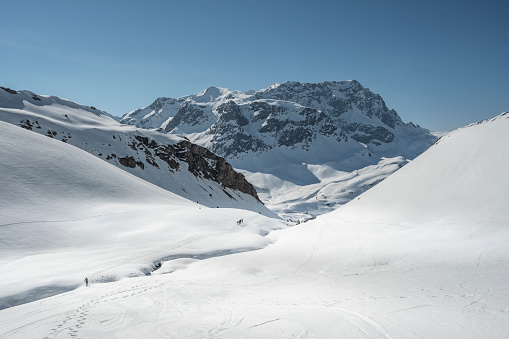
289	116
294	134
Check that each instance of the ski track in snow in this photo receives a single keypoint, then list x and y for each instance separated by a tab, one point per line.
59	221
367	325
74	323
315	247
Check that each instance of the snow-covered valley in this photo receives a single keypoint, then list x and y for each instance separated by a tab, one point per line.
67	214
421	254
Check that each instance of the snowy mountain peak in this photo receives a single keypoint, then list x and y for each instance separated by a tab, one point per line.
291	115
210	94
281	135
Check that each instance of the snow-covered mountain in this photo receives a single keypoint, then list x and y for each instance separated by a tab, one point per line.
421	255
287	116
302	136
168	161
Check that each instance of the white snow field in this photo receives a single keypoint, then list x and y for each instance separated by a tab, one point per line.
423	254
66	214
322	187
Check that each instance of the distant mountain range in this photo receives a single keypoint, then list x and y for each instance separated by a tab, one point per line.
279	135
288	116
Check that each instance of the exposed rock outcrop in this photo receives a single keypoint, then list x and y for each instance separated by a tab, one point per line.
200	161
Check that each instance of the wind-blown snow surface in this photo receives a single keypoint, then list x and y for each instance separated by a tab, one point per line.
422	255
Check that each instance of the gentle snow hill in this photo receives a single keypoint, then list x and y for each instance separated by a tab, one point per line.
168	161
288	135
460	180
65	214
422	255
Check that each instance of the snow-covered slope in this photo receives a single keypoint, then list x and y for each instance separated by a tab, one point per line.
460	180
300	201
282	135
65	214
168	161
422	255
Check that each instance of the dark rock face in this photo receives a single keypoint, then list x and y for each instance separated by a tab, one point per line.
370	134
203	162
8	90
27	124
131	162
187	113
200	161
230	111
228	134
334	99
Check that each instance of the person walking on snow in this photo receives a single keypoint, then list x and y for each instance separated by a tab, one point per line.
86	281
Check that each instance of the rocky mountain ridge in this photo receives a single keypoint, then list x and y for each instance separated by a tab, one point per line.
307	147
291	115
168	161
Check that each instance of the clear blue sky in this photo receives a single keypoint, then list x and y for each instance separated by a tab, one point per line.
440	64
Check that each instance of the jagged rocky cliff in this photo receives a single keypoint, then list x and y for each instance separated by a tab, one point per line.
200	162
